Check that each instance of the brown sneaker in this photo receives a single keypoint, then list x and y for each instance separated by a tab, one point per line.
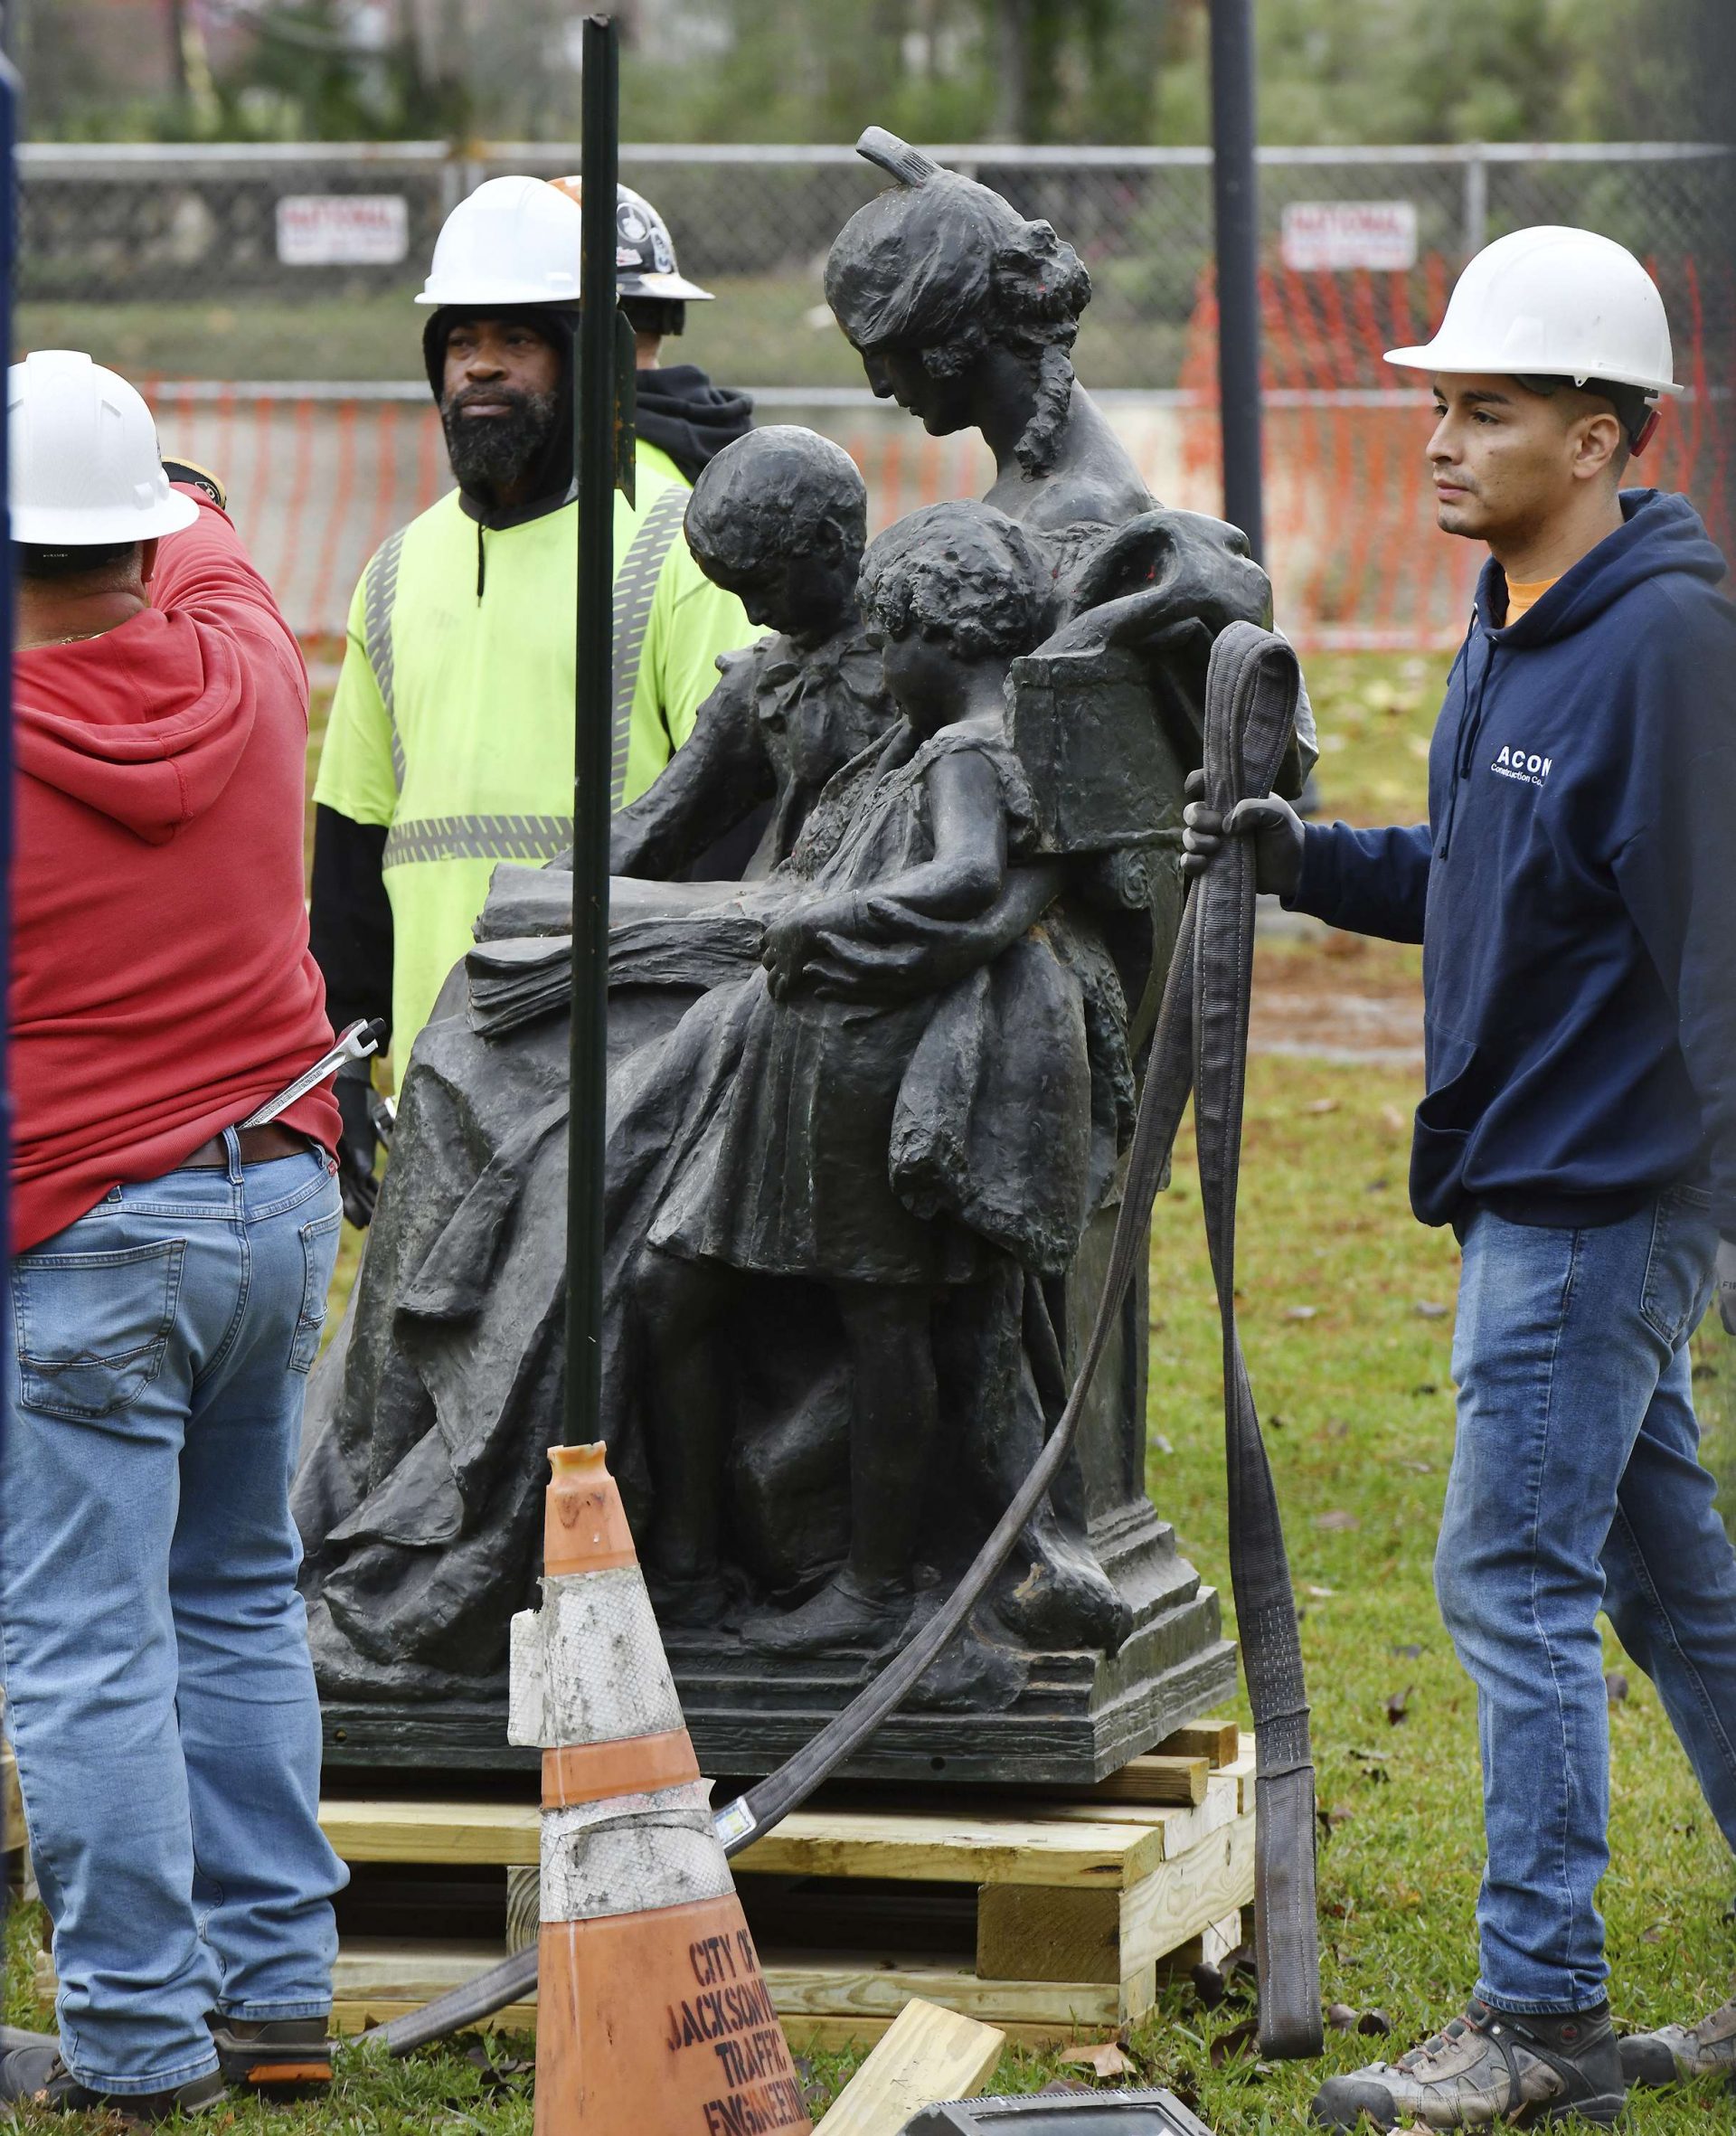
284	2058
1488	2065
1676	2052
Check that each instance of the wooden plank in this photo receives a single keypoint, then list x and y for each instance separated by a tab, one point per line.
388	1974
1029	1932
13	1838
352	2017
397	1831
1185	1896
983	1847
1219	1743
849	1984
928	2055
828	2034
1180	1829
1156	1779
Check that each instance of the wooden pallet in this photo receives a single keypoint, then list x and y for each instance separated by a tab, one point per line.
1044	1915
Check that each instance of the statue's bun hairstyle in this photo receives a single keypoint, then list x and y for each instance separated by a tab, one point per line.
943	264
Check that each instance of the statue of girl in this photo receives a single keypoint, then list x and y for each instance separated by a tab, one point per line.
922	1081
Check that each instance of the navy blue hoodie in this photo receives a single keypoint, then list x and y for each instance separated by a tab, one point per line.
1574	890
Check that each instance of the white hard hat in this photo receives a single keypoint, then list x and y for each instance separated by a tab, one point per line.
1553	303
85	471
514	240
645	253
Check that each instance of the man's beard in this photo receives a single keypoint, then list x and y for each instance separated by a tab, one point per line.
490	453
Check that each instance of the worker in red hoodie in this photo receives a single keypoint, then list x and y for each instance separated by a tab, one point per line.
168	1278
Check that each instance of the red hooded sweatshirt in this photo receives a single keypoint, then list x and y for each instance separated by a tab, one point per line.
161	982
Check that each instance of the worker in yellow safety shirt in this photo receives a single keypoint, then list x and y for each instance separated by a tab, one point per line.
451	744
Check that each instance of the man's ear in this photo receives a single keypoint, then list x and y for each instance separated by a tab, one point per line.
828	539
1598	444
147	561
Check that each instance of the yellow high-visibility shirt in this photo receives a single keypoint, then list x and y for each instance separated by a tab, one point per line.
453	718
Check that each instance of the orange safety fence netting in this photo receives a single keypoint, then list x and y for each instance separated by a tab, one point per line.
319	475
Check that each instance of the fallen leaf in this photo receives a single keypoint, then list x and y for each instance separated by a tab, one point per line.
1105	2059
1322	1594
1336	1520
1391	1117
1160	1443
1705	1372
1428	1388
1342	2017
1427	1309
1301	1312
1377	1186
1615	1686
1398	1707
1375	2023
1410	1653
1320	1105
1654	1934
1227	2046
1062	2084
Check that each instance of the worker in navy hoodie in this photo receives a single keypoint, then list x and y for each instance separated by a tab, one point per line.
1572	890
168	1277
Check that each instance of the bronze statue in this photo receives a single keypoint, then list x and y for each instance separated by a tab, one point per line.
964	313
866	1108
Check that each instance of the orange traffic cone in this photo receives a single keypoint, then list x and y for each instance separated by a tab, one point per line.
653	2018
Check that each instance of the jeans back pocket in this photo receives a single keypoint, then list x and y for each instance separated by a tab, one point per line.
92	1328
318	1257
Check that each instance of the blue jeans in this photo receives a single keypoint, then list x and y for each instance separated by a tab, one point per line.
159	1693
1576	1484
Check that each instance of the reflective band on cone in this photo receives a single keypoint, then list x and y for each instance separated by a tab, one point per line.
652	2017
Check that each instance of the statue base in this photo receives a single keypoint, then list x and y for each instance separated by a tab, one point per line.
986	1713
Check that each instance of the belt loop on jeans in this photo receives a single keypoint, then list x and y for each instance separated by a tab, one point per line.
232	1151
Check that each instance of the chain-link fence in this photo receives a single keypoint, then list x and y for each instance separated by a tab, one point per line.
295	264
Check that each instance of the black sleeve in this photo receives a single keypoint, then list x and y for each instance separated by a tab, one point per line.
349	917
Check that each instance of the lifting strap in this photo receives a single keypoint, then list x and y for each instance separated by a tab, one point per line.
1252	688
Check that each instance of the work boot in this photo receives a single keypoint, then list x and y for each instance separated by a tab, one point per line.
1488	2065
284	2058
1675	2053
36	2076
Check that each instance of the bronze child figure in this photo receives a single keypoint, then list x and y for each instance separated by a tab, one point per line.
873	1061
779	519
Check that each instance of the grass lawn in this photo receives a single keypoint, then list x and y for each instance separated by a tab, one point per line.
1345	1309
763	330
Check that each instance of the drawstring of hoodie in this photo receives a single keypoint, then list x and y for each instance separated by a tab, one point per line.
482	562
1470	726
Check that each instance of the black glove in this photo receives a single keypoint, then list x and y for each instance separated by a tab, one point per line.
1270	822
353	1088
190	471
1727	1284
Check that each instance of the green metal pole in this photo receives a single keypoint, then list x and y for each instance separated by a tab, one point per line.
595	447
